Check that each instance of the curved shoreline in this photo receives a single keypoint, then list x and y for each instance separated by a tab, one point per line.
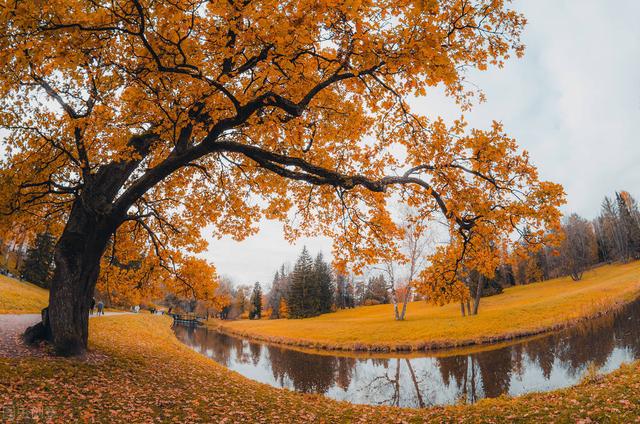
419	346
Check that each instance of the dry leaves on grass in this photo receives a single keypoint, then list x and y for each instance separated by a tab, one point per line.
146	375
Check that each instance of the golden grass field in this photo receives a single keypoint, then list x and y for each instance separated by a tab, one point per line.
138	371
18	297
518	311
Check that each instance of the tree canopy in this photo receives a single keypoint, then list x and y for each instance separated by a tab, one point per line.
146	121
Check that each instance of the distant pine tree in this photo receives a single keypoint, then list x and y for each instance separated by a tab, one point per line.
301	294
274	296
324	285
38	264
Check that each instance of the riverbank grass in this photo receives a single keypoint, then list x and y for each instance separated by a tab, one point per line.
518	311
137	371
20	297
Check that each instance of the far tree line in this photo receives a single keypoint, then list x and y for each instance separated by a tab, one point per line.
613	236
313	287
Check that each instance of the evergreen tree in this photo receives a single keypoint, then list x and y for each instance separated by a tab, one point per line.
323	282
302	294
278	292
617	229
38	264
275	296
376	291
256	302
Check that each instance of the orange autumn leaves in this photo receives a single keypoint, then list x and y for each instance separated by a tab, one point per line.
289	110
495	197
133	272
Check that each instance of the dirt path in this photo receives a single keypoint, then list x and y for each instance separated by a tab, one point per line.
11	328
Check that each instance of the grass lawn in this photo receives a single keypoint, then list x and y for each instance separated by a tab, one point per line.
519	311
139	372
18	297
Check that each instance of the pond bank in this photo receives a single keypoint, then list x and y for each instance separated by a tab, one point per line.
519	312
543	363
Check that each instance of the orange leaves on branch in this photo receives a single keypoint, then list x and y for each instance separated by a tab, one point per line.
186	116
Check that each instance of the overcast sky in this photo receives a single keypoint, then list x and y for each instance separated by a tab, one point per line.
573	102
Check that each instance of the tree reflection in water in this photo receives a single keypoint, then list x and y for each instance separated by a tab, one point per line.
543	363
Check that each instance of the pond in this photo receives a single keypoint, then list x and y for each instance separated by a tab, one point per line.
548	362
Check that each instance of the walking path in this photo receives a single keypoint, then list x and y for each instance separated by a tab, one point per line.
11	328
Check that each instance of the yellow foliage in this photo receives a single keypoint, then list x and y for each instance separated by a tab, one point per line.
146	122
283	309
136	274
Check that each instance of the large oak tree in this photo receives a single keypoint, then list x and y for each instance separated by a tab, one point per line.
136	123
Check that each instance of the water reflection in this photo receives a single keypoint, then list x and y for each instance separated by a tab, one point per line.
545	363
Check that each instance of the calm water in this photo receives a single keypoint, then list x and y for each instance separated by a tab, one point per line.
545	363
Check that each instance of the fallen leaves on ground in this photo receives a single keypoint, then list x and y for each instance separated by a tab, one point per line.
146	375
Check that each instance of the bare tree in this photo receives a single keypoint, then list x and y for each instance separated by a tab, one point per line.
401	273
478	294
579	248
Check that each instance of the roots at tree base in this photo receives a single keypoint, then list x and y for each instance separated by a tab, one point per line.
40	332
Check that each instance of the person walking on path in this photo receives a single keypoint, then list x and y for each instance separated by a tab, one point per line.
93	305
100	308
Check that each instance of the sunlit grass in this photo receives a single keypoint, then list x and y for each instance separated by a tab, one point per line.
518	311
19	297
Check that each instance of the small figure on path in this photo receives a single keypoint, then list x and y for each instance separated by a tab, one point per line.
100	308
93	305
136	309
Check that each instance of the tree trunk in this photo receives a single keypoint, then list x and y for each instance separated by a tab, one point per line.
405	301
394	300
476	303
77	259
415	384
94	217
462	307
468	302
